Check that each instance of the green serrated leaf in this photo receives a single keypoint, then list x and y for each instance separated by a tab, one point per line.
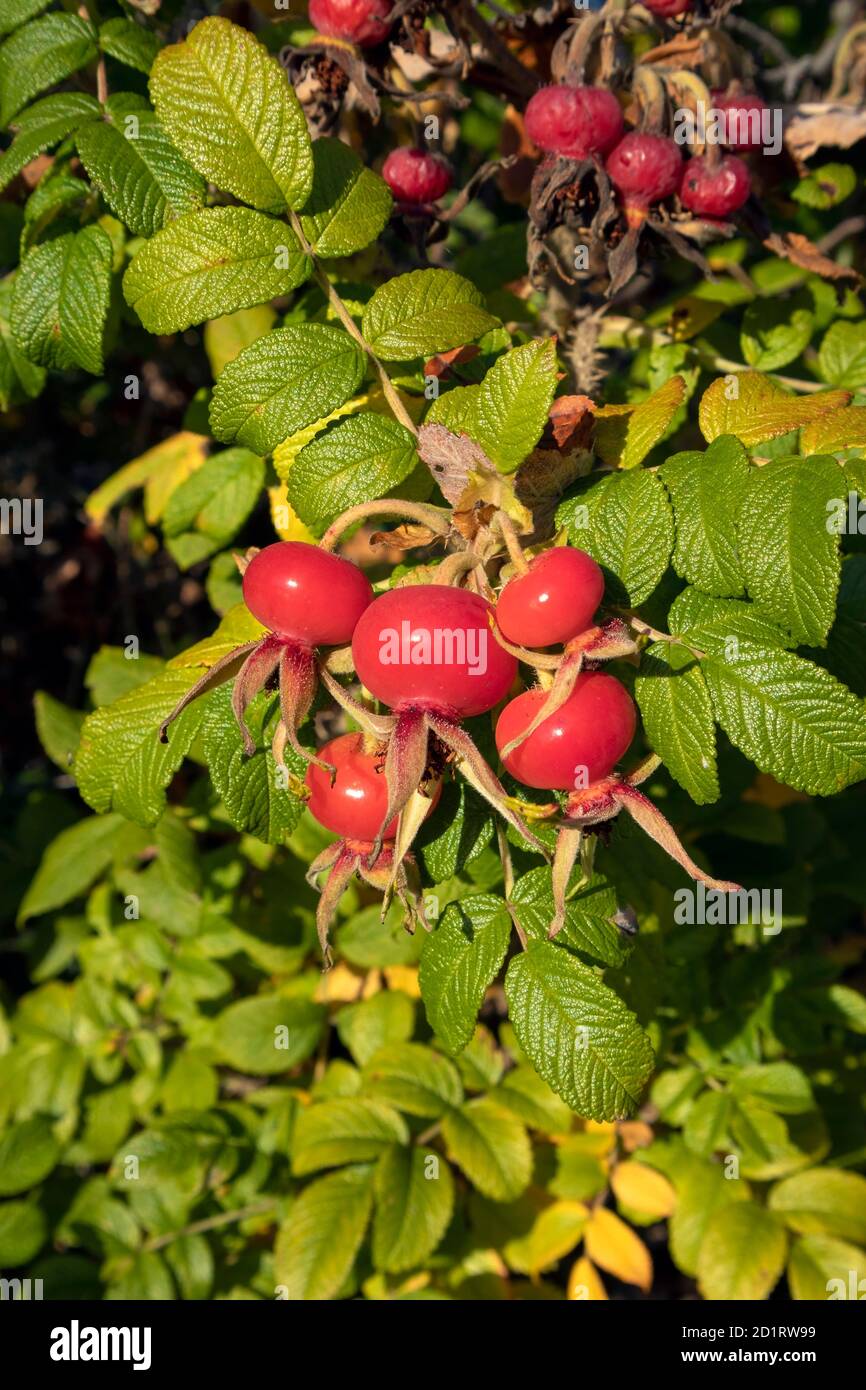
388	1017
44	124
717	624
460	959
284	382
577	1033
776	332
423	312
42	53
60	300
413	1078
678	718
589	927
58	727
349	1130
217	499
141	175
842	355
20	380
317	1243
821	1269
14	13
628	527
707	490
268	1034
358	459
457	832
509	410
230	108
414	1203
210	263
491	1146
129	43
349	205
791	718
120	764
789	550
252	789
72	862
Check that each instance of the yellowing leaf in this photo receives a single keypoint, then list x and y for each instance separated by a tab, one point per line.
555	1231
338	986
160	470
237	626
225	337
624	434
754	408
287	523
584	1283
643	1189
843	429
613	1245
634	1134
405	978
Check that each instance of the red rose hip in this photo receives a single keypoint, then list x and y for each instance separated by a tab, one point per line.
644	169
578	745
574	121
554	602
354	804
744	114
356	21
305	594
715	192
668	9
416	176
431	647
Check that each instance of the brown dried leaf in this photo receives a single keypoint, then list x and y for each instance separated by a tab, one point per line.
409	536
451	458
817	124
804	253
569	423
443	361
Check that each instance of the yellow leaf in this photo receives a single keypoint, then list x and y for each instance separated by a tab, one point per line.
643	1189
843	429
338	986
613	1245
634	1134
287	523
597	1141
225	337
238	626
159	471
691	315
624	434
584	1283
405	978
760	409
555	1231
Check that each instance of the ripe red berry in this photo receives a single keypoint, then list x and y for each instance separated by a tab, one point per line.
416	176
578	745
554	602
744	113
717	192
574	121
644	169
354	804
356	21
306	594
668	9
431	647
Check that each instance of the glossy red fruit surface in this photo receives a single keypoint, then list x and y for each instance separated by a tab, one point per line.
668	9
717	192
357	801
743	127
299	591
554	602
574	121
416	176
430	646
579	744
645	169
356	21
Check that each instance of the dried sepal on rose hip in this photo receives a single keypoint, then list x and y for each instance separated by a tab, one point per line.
353	803
575	750
307	598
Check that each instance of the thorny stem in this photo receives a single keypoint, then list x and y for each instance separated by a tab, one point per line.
398	409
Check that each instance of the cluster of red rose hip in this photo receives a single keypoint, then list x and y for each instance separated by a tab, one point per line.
578	122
